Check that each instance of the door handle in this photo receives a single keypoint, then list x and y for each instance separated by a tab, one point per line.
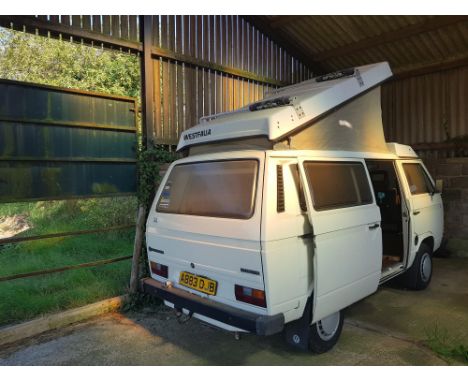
416	212
374	226
151	249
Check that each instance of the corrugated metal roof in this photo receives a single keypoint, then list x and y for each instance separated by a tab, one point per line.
408	42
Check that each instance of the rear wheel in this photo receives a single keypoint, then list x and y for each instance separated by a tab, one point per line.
318	337
324	334
419	275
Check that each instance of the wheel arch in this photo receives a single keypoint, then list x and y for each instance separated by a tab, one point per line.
429	240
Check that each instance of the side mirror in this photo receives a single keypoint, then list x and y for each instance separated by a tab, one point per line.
439	185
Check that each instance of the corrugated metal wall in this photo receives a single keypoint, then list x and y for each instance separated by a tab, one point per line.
426	109
116	26
185	92
201	64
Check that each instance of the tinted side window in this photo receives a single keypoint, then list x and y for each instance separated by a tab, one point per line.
337	184
418	181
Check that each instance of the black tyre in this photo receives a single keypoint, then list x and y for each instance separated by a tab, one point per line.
325	333
419	275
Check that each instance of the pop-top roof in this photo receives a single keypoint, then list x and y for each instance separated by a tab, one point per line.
287	109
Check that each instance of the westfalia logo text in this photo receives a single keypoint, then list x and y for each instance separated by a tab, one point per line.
198	134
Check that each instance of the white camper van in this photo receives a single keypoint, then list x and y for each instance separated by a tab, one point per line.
285	212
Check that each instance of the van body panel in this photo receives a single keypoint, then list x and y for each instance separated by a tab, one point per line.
287	258
348	248
426	212
217	248
287	270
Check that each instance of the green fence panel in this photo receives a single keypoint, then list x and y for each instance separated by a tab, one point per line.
61	143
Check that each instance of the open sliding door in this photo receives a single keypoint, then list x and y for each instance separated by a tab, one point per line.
346	232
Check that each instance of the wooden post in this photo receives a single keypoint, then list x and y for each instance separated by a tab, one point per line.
147	79
139	232
146	26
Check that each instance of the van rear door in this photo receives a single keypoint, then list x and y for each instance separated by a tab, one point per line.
205	225
346	232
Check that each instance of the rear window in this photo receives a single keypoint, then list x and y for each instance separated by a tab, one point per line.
216	188
337	184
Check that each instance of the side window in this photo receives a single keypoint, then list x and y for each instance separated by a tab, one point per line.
337	184
418	181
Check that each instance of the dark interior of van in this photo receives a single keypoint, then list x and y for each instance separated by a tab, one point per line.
388	197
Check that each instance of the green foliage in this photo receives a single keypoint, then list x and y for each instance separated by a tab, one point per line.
138	301
26	298
149	162
25	57
149	165
63	215
446	346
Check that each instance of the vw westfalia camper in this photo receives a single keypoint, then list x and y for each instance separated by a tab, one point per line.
285	212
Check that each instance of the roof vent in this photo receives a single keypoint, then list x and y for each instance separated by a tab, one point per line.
270	104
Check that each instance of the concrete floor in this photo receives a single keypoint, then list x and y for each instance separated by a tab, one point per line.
388	328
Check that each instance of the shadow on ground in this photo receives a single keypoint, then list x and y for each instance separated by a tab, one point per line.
385	329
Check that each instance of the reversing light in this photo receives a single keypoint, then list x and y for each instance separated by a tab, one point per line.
159	269
250	295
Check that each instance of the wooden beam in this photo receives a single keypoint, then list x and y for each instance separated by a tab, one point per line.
425	26
285	42
19	332
137	246
190	60
147	80
440	146
432	68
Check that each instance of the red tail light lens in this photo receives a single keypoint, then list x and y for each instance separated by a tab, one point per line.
250	295
159	269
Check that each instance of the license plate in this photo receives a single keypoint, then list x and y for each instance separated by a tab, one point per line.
200	283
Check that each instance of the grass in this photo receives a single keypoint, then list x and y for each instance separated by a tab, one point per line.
24	299
448	347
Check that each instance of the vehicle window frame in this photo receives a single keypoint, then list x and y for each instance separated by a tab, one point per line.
299	186
254	193
311	190
431	189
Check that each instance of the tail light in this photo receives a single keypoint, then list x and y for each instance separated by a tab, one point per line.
250	295
159	269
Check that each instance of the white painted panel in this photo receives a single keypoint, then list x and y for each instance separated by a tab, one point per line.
212	247
348	252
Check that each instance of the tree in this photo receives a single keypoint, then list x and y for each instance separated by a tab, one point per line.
30	58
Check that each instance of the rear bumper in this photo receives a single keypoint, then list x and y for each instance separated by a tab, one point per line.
256	323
